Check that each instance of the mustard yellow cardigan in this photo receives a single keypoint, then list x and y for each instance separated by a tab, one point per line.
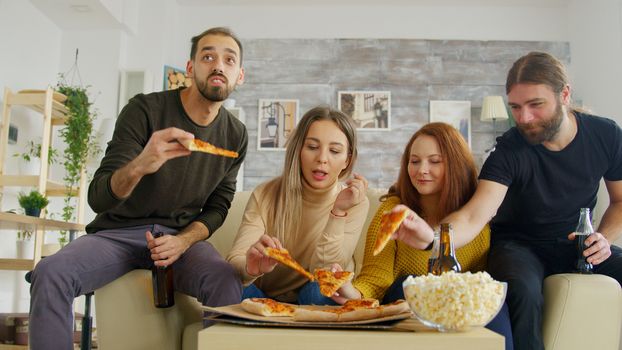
398	259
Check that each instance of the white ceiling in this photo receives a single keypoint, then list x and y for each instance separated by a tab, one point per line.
522	3
78	14
93	14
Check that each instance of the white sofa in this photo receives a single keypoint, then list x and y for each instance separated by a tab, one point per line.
581	312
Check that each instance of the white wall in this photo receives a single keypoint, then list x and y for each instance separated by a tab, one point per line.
31	58
595	33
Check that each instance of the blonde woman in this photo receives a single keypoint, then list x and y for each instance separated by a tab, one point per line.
307	210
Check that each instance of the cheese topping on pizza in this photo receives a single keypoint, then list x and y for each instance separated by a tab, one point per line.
267	307
283	256
361	303
353	310
206	147
330	281
389	223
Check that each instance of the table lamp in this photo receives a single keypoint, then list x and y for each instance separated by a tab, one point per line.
493	109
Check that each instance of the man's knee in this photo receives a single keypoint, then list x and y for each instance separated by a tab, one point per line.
222	274
525	292
52	268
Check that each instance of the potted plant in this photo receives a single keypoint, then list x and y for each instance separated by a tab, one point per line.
32	153
80	140
32	202
24	244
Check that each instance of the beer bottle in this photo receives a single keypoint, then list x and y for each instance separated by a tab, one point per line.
162	278
446	260
584	229
435	250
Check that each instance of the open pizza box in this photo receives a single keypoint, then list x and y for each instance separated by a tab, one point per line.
236	315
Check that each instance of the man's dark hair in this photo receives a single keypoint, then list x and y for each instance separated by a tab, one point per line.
224	31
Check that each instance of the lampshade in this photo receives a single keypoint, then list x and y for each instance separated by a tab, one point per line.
493	108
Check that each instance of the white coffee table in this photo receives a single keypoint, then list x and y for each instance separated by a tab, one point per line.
409	334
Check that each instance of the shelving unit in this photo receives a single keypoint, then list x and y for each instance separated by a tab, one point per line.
50	104
13	347
38	225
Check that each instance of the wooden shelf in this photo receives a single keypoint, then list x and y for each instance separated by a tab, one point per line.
10	221
53	188
18	221
35	100
50	104
13	347
17	264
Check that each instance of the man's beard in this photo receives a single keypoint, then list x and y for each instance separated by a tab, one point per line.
550	128
216	93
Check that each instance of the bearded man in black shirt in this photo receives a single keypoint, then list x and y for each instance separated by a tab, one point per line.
532	187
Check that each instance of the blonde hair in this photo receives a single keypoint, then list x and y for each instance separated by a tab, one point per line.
284	193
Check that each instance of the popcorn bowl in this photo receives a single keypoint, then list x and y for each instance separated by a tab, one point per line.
455	302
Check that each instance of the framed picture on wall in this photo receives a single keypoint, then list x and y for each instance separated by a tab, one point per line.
277	119
369	110
456	113
175	78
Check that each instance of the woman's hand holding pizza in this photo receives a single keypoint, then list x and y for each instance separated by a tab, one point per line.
257	263
413	231
351	195
347	290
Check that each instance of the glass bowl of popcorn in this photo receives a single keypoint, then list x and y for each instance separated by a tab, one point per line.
455	301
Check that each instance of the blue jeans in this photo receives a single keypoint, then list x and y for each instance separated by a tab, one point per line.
309	294
500	324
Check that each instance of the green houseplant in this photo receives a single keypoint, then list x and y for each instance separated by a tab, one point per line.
33	150
32	202
24	235
80	140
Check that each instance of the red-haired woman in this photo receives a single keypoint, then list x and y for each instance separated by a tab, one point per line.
437	176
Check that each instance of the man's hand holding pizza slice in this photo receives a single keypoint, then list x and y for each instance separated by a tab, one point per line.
162	146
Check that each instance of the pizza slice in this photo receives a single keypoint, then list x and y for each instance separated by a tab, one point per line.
316	314
206	147
282	256
395	308
267	307
352	310
330	281
361	303
389	223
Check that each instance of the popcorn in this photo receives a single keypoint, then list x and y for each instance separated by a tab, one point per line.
454	301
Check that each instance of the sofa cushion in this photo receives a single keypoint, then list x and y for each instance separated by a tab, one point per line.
581	304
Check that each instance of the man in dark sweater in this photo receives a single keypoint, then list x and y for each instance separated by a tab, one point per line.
148	182
542	172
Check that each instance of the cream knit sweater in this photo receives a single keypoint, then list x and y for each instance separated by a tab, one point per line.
324	239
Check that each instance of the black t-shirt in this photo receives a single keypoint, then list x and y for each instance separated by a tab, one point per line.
198	187
547	188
